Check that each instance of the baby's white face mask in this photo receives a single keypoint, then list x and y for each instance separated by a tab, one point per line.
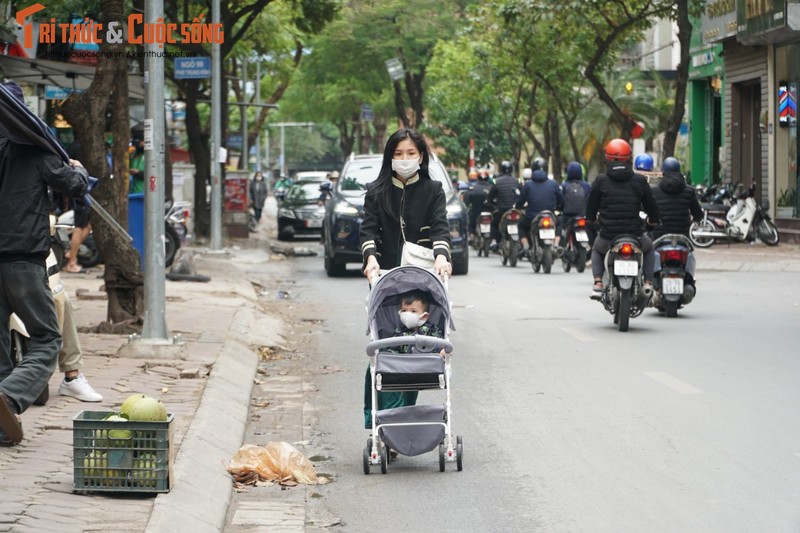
412	320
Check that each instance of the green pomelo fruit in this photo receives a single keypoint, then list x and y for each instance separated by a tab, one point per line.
148	409
130	401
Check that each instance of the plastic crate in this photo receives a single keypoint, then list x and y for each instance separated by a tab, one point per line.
121	456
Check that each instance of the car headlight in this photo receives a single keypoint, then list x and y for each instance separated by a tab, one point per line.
454	209
345	209
286	213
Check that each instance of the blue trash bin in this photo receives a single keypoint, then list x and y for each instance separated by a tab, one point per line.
136	222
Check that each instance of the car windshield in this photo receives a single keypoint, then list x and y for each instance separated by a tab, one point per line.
303	191
359	173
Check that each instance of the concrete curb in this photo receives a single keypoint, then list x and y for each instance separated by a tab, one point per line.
202	490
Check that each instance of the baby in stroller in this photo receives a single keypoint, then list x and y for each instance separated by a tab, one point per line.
408	322
414	315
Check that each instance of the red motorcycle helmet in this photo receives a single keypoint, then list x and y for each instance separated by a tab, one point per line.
618	150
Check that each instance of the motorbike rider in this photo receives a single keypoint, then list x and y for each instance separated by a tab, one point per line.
643	162
502	197
475	198
576	193
615	199
678	206
539	194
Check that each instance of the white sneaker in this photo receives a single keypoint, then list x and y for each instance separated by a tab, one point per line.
79	388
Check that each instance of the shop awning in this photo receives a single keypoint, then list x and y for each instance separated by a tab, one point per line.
66	75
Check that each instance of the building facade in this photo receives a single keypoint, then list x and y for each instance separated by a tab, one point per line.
743	95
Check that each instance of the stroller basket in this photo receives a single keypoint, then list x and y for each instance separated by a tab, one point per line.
413	430
396	372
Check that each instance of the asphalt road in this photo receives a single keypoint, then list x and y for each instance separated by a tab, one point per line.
684	424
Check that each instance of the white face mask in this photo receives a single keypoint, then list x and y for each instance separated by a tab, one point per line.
405	168
410	319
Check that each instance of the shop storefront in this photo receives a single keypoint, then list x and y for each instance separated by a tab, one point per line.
760	44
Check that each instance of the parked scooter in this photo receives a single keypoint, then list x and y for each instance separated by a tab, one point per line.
624	294
483	233
88	255
542	237
509	234
576	244
674	284
175	230
745	220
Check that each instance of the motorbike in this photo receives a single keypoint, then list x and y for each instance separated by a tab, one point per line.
175	230
576	244
509	235
674	286
543	235
88	255
744	220
624	294
483	233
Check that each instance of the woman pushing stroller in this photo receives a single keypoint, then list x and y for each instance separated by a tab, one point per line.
403	194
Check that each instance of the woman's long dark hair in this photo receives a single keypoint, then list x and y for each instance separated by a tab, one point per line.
383	183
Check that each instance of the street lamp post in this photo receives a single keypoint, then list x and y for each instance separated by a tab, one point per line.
283	125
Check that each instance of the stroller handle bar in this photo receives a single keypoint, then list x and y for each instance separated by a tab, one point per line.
423	343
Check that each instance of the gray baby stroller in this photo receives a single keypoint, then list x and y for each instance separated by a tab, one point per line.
416	429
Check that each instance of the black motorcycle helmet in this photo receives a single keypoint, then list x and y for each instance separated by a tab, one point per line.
506	167
671	164
539	164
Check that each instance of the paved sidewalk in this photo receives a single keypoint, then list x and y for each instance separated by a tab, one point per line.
749	257
208	392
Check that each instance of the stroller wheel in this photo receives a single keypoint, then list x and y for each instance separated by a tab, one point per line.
366	460
441	457
384	458
459	453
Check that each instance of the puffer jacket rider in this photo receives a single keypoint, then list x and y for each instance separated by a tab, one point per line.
618	195
677	205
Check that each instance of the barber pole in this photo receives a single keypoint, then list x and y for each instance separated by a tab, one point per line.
472	155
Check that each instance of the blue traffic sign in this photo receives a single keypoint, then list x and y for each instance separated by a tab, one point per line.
192	68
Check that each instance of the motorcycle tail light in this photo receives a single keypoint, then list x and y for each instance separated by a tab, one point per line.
581	222
513	217
546	223
486	220
668	256
626	250
185	213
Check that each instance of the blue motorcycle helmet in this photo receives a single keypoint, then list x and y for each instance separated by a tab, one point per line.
671	164
643	162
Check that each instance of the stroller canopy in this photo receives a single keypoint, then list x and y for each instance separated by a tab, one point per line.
384	298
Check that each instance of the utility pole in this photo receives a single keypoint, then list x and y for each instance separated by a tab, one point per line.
258	102
245	148
216	136
155	325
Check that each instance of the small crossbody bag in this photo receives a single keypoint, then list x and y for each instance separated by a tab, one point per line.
414	254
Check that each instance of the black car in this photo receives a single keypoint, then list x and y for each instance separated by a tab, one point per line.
345	212
299	213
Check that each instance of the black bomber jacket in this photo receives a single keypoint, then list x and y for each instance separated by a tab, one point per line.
422	204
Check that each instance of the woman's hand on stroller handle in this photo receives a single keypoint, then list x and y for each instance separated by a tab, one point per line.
372	269
442	267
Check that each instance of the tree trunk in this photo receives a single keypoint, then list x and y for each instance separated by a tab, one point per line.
399	105
109	90
681	78
555	144
200	148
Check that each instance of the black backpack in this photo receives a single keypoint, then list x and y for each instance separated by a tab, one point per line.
574	198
